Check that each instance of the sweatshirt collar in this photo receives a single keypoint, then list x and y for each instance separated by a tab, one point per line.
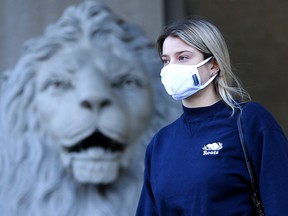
201	113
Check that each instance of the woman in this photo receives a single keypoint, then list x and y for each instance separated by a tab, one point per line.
195	166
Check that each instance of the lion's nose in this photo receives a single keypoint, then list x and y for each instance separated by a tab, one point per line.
95	97
91	104
95	93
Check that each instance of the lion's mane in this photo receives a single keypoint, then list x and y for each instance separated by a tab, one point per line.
32	179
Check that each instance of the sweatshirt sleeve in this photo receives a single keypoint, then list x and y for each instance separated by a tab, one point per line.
146	204
268	148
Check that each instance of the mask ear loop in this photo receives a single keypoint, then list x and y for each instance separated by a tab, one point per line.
204	62
212	77
212	57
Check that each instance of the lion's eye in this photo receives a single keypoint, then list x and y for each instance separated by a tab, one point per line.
57	84
128	81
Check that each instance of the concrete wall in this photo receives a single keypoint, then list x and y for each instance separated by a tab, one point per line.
22	20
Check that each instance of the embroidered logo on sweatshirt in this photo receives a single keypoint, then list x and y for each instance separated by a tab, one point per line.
212	148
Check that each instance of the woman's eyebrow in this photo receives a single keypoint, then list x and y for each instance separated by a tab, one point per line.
177	53
180	52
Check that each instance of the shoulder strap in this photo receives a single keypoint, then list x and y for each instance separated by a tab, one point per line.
256	194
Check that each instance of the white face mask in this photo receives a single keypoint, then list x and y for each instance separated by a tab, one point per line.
182	81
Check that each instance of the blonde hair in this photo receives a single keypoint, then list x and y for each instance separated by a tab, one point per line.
206	37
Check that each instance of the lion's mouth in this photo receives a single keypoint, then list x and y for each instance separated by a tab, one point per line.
97	139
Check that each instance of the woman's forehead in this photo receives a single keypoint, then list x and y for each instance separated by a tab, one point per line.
173	45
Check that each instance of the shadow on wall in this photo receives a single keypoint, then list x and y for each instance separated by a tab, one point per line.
257	37
77	111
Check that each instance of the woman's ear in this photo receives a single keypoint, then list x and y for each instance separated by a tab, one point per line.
214	67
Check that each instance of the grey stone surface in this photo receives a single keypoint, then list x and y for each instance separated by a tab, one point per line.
76	113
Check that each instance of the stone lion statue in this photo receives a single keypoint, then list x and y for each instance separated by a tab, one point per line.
77	112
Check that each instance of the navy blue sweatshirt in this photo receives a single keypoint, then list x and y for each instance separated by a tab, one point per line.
195	166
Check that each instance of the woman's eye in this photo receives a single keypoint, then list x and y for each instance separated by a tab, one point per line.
165	61
183	58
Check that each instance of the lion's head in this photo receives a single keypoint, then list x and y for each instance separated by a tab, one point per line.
76	114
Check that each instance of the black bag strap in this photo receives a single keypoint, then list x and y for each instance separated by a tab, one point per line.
255	193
